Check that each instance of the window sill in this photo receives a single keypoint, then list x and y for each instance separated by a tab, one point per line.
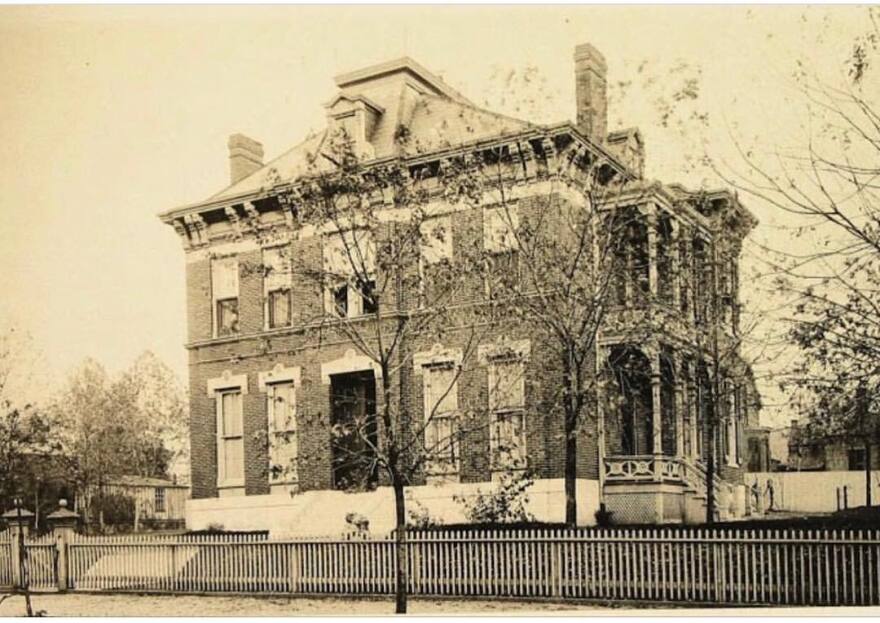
230	484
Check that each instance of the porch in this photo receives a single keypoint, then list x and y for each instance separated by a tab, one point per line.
656	404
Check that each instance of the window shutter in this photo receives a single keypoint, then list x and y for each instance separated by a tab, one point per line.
224	278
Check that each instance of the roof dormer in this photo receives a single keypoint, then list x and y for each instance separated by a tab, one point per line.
355	116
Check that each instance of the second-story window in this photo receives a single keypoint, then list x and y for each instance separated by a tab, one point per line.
276	287
499	241
349	274
435	254
224	291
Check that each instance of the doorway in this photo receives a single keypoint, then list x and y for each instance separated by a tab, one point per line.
354	435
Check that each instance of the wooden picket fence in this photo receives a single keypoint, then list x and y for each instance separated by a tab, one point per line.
681	565
41	562
6	561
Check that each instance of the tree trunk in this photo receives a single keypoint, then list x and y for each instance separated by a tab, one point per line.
710	473
569	427
400	547
868	472
570	474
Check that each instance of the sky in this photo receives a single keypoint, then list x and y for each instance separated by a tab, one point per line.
110	115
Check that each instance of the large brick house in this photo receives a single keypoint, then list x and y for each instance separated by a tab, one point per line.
247	341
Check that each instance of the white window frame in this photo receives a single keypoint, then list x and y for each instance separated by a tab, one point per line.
499	412
346	275
160	495
275	281
222	293
441	465
292	475
223	480
266	382
499	228
433	250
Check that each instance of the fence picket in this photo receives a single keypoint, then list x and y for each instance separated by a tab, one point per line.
785	567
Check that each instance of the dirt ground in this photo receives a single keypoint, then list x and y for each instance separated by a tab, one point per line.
90	604
101	605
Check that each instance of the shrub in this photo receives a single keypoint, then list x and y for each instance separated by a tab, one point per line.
117	509
507	504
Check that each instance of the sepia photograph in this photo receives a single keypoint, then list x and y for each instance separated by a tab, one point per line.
440	310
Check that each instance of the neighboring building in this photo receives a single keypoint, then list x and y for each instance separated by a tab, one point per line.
248	351
828	454
158	503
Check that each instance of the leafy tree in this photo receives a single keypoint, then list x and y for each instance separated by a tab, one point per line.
109	427
26	442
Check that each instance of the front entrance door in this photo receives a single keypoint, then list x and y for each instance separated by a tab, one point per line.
353	430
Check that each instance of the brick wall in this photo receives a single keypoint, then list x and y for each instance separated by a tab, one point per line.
256	351
198	300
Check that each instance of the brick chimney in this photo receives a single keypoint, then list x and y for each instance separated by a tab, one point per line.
590	73
245	157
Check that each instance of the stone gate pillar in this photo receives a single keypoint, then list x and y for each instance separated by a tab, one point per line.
18	520
63	523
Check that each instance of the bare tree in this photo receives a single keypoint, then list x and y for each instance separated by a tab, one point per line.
828	274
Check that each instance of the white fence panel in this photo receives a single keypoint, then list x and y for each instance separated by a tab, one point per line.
814	492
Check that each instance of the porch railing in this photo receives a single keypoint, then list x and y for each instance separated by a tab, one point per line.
658	468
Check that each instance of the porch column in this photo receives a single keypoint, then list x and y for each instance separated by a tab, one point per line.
679	411
652	251
692	286
656	406
676	266
694	450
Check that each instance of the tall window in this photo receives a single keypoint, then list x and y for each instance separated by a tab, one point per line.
276	287
281	408
230	439
499	240
224	292
507	404
441	406
435	250
349	267
499	229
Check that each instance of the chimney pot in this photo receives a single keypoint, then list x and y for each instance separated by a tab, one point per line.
245	157
590	72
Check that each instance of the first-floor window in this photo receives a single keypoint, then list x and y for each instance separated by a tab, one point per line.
507	404
441	405
281	403
230	439
160	500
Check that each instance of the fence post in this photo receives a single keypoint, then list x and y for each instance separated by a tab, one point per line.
18	521
63	523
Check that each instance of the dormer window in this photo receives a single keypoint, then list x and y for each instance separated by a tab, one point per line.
355	118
